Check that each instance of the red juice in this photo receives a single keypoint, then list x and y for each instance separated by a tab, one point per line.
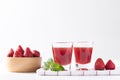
83	54
62	55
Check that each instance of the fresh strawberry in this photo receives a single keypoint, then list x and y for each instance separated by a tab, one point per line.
110	65
99	64
28	52
20	49
36	53
18	54
11	52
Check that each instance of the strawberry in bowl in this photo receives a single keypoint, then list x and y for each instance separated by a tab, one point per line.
22	60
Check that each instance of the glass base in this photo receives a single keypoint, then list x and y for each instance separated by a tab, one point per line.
67	67
82	66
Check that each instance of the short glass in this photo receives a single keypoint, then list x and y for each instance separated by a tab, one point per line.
83	53
62	53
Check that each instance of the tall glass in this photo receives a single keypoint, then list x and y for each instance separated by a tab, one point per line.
83	53
62	53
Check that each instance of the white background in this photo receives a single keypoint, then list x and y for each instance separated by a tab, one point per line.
38	23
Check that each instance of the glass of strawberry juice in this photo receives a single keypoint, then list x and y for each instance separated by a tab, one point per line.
83	53
62	53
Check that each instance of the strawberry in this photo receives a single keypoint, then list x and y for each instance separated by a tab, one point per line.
36	53
20	49
11	52
110	65
18	54
28	52
99	64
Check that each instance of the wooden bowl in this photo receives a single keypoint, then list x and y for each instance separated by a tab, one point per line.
23	64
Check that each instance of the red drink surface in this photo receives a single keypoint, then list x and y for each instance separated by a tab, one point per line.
62	55
83	54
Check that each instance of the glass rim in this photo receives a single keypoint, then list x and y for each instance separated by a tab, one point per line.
62	44
84	42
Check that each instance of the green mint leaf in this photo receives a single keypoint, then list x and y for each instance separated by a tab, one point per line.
51	65
46	66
